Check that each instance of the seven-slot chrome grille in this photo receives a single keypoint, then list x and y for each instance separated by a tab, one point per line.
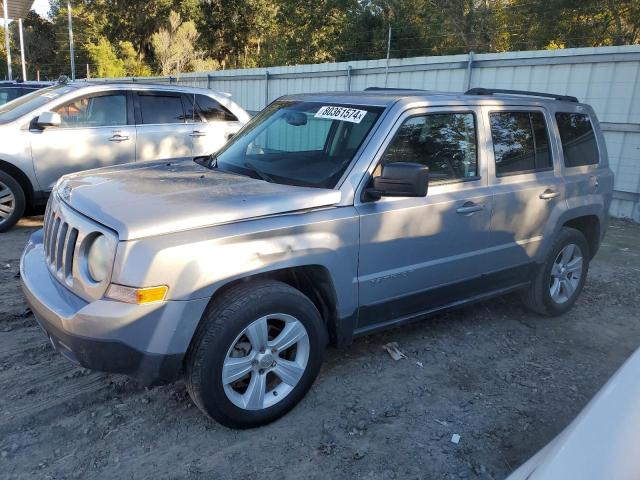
60	240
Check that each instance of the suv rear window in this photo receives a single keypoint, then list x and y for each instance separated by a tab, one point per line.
520	142
578	140
212	110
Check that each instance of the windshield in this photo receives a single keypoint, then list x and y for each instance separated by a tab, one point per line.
307	144
22	105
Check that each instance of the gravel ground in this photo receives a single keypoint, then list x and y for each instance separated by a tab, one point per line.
502	378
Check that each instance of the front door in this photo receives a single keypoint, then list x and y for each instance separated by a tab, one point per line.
96	131
418	254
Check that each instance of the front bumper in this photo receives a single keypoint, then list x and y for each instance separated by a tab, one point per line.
145	342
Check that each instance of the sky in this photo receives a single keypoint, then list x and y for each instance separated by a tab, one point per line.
41	7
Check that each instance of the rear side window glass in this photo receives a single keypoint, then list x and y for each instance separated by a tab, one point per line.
520	142
446	143
161	109
212	111
578	140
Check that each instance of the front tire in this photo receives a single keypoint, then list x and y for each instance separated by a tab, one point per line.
12	201
256	354
560	279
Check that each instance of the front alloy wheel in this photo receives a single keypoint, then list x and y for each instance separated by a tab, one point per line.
265	362
256	353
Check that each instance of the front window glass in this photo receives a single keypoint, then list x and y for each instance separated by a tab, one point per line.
444	142
300	143
21	106
97	111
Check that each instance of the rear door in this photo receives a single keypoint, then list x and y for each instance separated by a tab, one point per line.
213	124
97	131
163	132
528	185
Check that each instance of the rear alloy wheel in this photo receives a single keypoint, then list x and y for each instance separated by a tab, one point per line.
566	273
12	202
256	353
559	280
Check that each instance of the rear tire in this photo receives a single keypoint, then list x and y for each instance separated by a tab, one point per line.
559	280
12	201
256	353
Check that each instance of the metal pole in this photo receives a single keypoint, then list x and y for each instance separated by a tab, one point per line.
88	70
24	67
349	78
469	71
266	88
71	49
386	71
6	39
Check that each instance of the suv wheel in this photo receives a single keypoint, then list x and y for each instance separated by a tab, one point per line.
12	201
256	354
559	281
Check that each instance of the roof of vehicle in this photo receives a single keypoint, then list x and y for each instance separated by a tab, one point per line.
143	86
384	97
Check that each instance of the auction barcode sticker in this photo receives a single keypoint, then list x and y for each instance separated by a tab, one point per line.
330	112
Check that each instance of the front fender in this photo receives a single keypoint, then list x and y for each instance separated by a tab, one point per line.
195	264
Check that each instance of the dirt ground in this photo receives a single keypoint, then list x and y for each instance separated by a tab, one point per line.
505	380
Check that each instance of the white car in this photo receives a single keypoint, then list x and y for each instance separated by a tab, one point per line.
603	442
78	126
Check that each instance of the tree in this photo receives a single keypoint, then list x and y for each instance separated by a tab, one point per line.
174	45
104	59
133	65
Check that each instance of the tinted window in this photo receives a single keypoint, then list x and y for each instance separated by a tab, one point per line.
161	109
97	111
212	110
578	140
520	142
446	143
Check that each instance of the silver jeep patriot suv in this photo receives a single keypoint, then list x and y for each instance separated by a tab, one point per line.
326	217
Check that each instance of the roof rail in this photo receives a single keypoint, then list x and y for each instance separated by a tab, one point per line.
392	89
492	91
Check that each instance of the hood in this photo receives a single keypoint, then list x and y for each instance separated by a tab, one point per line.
154	198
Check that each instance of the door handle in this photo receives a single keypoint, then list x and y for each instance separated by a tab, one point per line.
197	133
119	138
548	194
469	208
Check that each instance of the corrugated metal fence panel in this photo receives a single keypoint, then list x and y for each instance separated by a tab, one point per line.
608	78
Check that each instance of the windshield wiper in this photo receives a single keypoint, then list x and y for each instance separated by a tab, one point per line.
210	161
262	175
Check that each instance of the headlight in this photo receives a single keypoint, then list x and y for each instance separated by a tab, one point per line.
98	259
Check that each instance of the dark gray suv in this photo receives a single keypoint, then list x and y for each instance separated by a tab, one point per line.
328	216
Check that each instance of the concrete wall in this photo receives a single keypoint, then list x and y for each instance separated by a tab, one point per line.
605	77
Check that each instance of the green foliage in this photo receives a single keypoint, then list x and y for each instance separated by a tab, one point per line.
140	37
104	59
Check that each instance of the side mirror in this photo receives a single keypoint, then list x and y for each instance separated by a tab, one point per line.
401	179
48	119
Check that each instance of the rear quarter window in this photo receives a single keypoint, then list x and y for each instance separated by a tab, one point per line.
579	145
